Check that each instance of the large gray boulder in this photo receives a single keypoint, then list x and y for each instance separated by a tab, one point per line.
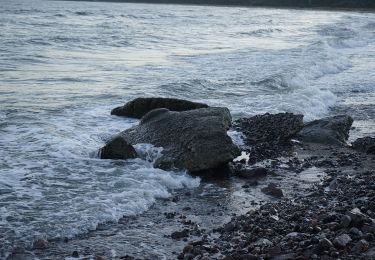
195	140
117	149
330	130
141	106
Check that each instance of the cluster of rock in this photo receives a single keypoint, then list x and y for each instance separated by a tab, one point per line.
194	136
336	220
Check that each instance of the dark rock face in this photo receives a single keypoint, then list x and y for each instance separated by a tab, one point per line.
269	127
141	106
117	149
365	144
331	130
268	136
195	140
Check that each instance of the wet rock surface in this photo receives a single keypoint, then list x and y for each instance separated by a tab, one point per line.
330	130
138	107
365	144
269	128
268	135
117	149
195	140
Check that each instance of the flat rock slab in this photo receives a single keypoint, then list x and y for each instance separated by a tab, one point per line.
138	107
330	130
195	140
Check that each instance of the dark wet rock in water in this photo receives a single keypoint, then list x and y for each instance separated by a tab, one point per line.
365	144
180	234
342	241
138	107
117	149
269	127
75	254
195	140
331	130
273	190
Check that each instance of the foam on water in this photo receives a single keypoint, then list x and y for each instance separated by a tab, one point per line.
56	190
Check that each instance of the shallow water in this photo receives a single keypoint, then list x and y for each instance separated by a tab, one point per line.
64	65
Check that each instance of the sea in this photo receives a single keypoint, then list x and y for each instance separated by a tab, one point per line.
65	64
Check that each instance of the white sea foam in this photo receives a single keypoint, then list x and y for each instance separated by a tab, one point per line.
237	137
60	191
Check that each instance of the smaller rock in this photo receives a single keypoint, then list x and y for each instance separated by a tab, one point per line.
296	236
75	254
361	246
180	234
117	149
331	130
273	190
229	227
263	242
342	241
345	221
355	231
358	218
325	244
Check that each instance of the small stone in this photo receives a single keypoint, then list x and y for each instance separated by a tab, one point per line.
358	218
345	221
355	231
75	254
325	244
263	242
180	234
296	236
273	190
361	246
229	227
342	241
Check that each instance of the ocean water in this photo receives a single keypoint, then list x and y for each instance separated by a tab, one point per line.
65	65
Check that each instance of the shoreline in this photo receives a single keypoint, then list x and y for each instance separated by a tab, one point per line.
199	223
334	219
291	7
